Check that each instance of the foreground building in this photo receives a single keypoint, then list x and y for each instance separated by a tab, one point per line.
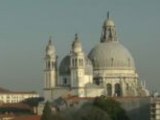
7	96
155	108
109	69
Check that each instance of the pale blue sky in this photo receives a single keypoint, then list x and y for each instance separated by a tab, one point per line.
25	26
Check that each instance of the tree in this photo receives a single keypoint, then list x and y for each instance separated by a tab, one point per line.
112	107
47	112
33	102
91	112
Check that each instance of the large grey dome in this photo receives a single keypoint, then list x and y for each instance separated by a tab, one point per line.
111	55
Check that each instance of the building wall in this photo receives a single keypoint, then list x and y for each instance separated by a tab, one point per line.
94	92
56	92
16	97
155	108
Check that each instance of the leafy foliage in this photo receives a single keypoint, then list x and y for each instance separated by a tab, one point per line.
112	107
59	116
101	109
33	102
47	112
90	112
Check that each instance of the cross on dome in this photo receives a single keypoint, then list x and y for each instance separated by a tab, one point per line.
50	40
76	36
108	15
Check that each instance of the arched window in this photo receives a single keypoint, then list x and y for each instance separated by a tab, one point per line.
64	81
73	62
53	64
80	62
94	62
98	80
112	60
76	62
117	89
109	89
49	65
127	86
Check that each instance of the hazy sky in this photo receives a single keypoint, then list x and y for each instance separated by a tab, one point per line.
25	26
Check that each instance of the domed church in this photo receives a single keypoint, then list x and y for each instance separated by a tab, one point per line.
109	69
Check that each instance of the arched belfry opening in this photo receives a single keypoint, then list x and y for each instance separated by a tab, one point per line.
118	91
109	89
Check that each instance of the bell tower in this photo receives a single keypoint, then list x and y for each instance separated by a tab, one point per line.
50	71
77	67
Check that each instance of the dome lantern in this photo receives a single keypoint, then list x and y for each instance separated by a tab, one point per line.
108	30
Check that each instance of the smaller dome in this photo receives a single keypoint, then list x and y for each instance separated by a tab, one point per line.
108	23
76	45
50	49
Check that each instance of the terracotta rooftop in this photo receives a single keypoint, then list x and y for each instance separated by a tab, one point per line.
15	105
29	117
